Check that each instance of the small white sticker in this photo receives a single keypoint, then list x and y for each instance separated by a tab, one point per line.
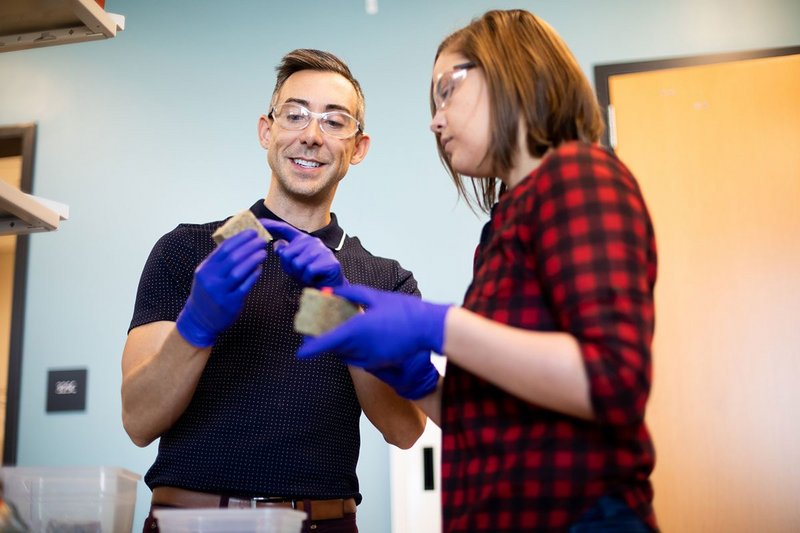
67	387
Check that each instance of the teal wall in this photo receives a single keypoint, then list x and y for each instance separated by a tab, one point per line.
158	126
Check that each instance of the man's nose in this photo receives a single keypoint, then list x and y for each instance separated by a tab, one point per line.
312	133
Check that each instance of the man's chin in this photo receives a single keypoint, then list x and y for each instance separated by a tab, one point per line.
309	195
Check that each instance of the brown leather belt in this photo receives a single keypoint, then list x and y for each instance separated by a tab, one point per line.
315	509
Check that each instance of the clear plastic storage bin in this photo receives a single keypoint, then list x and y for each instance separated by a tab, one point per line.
268	520
75	499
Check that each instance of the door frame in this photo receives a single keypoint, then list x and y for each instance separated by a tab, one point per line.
19	139
603	73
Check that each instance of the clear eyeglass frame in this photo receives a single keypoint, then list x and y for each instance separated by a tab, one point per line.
448	82
295	117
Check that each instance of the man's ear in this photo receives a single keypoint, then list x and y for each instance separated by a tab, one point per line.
362	147
263	131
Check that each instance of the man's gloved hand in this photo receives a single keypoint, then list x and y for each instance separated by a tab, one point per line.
394	327
221	284
305	257
413	379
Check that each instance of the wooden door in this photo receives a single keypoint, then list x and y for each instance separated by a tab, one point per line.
716	149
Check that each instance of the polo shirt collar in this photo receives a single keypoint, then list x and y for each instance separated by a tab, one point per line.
331	235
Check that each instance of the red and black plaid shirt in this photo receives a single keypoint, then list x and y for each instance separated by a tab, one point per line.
571	248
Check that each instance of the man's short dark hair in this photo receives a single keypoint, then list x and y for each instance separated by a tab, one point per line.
310	59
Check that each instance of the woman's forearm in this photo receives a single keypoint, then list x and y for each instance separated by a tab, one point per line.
543	368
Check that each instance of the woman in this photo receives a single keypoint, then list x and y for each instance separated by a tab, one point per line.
542	406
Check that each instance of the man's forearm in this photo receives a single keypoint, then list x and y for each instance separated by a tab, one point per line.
431	404
160	371
399	420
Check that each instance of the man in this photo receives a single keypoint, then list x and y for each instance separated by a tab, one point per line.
209	366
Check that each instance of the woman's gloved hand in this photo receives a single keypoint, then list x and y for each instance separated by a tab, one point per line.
220	286
394	327
305	257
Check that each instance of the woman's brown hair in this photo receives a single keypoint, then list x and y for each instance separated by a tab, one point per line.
530	73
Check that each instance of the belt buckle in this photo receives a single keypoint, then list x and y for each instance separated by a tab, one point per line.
270	499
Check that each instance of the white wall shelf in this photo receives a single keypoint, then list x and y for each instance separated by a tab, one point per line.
22	213
35	23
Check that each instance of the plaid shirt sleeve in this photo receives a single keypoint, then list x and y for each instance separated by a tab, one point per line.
597	241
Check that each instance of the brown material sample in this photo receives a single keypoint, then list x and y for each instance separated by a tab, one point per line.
240	222
320	312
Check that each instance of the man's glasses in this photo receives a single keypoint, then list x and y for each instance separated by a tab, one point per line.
448	82
338	124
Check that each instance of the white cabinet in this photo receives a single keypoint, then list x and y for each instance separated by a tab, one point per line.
416	507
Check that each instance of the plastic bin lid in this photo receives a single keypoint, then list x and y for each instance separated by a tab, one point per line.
272	520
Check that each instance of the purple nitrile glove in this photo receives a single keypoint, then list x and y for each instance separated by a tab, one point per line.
305	257
413	379
394	327
221	284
